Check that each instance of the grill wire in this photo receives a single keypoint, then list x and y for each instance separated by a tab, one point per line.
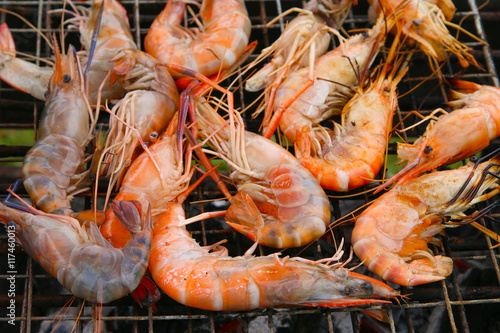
467	301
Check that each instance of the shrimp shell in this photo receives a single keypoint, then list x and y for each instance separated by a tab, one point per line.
308	27
225	35
79	257
213	281
455	135
148	185
351	155
391	235
51	168
328	94
114	36
280	203
150	103
21	74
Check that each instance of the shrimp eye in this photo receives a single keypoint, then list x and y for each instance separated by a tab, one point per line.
427	150
46	93
66	78
473	158
368	287
153	136
365	34
416	22
347	290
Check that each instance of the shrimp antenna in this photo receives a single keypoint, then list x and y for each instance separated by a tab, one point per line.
477	161
97	27
30	25
477	215
472	193
356	72
184	104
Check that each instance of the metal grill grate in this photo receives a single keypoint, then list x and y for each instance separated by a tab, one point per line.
468	300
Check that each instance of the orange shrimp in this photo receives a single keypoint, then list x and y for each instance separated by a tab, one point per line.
223	38
455	135
391	235
424	22
78	256
295	107
279	203
114	36
214	281
308	33
150	103
155	177
52	168
352	154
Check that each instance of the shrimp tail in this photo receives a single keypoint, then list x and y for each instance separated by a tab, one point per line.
147	293
465	87
244	216
462	90
8	49
6	40
129	213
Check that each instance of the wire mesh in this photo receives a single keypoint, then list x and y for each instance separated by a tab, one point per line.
467	301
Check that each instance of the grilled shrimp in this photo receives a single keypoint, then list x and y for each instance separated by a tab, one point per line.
424	22
294	108
79	257
352	154
208	50
307	33
153	178
279	203
148	107
52	168
455	135
391	235
214	281
114	35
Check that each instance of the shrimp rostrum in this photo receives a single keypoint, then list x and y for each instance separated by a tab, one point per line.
79	256
392	234
279	203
